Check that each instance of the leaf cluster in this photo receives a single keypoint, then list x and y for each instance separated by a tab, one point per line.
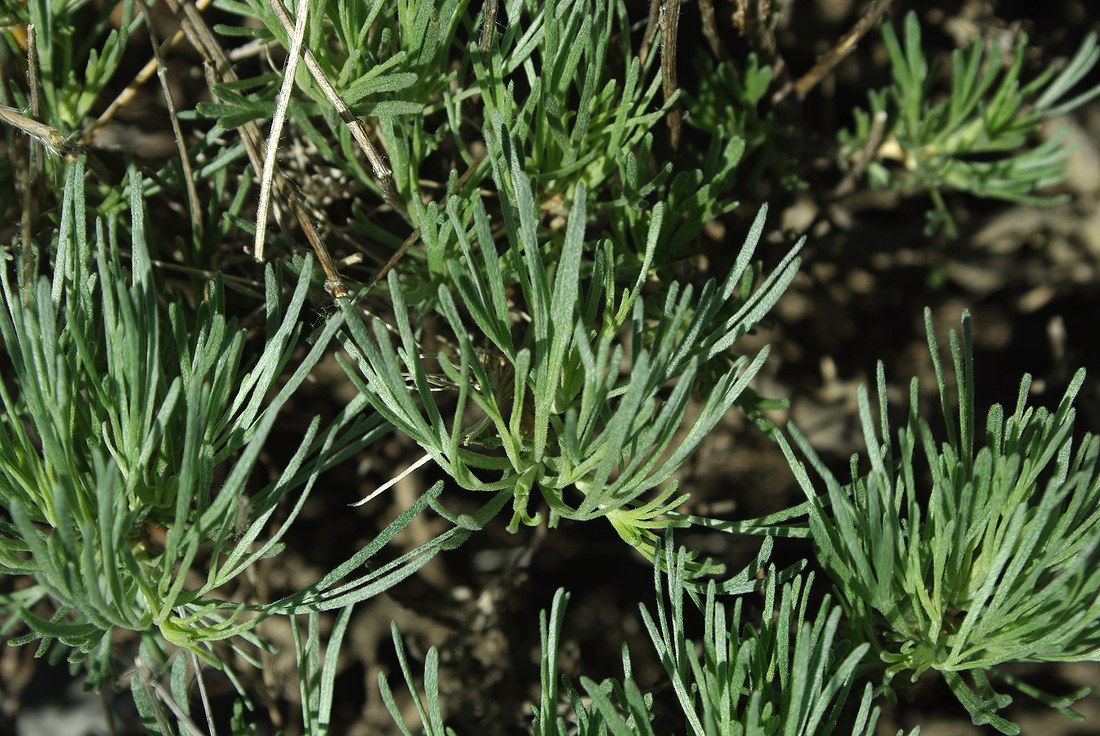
788	675
958	556
558	404
127	456
78	51
537	345
975	139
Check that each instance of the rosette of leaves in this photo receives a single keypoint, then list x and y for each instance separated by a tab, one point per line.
567	52
976	138
730	103
790	674
128	441
963	555
386	61
594	424
78	50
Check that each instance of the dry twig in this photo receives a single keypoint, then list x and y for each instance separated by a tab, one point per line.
50	139
874	139
670	25
282	101
488	26
35	165
379	167
125	96
710	31
868	19
185	162
650	29
755	20
218	67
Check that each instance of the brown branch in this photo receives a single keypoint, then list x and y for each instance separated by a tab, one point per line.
710	31
874	139
204	41
185	162
49	138
32	174
125	96
868	19
650	29
488	25
670	24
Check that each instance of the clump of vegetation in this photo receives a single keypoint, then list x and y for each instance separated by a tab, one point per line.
494	216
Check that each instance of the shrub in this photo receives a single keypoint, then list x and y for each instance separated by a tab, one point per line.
543	316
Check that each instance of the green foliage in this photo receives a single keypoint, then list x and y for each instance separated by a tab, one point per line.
78	52
389	61
729	105
567	52
562	77
428	707
975	139
790	675
110	407
610	705
541	341
551	389
959	557
316	679
111	445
